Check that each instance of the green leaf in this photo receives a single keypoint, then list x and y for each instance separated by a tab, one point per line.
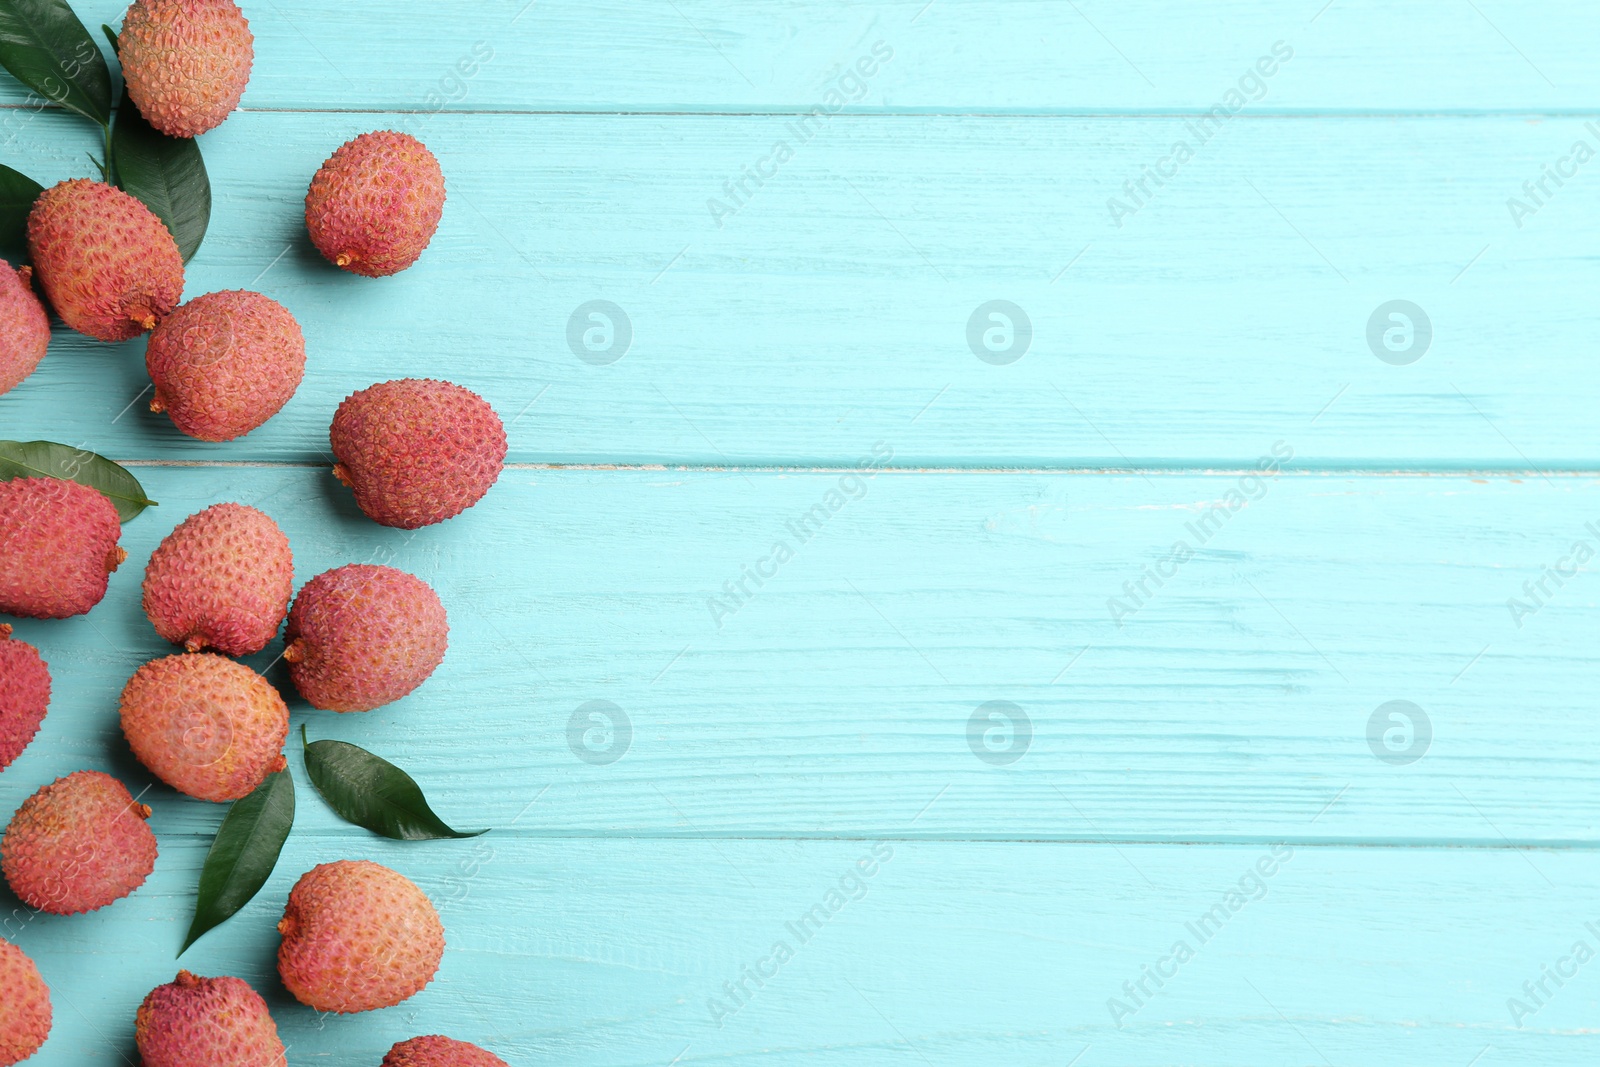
46	47
243	855
165	173
111	35
17	194
370	791
46	459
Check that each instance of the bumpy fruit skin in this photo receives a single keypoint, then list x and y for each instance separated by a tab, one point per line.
417	451
109	267
218	1022
58	547
186	62
24	1006
225	363
207	726
78	844
375	204
358	936
362	635
24	326
436	1051
24	695
221	580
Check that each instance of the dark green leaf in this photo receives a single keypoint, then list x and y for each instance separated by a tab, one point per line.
46	459
243	855
46	47
111	35
372	792
165	173
17	194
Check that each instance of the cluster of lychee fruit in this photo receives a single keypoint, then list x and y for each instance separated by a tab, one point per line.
226	362
355	935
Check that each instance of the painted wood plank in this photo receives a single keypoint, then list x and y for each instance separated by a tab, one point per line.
868	689
836	308
617	952
1245	695
949	55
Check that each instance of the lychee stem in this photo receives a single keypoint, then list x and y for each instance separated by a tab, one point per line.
158	403
293	652
194	643
186	980
5	631
341	473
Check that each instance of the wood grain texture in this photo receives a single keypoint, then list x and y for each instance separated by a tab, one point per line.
1231	705
1205	658
948	953
833	310
955	55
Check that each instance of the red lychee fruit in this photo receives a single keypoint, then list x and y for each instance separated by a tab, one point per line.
24	695
58	547
225	363
361	636
78	844
186	62
416	451
375	204
358	936
221	580
109	267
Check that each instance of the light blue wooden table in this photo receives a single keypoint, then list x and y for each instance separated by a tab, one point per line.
810	835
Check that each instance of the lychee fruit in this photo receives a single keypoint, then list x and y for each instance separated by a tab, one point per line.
24	326
109	267
24	1006
417	451
363	635
375	204
78	844
358	936
207	726
218	1022
225	363
24	695
436	1051
221	580
186	62
58	547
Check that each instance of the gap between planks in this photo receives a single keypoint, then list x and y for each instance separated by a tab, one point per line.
1109	841
1155	113
1203	471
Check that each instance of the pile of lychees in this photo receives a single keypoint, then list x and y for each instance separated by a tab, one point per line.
355	935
